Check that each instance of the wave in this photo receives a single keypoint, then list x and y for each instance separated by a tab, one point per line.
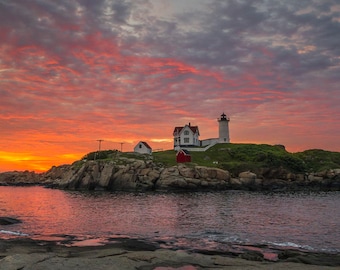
13	233
304	247
291	245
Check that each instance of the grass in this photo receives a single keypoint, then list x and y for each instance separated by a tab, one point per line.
320	160
241	157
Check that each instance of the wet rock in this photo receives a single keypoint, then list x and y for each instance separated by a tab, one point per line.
252	256
310	258
137	245
125	254
274	184
9	221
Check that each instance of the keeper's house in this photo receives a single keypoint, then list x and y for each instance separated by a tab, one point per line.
187	136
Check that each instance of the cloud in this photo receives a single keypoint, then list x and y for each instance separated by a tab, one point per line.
131	70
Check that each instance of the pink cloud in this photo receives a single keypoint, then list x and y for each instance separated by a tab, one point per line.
69	79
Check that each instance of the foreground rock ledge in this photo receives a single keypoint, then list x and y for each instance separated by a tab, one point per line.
129	254
130	174
9	221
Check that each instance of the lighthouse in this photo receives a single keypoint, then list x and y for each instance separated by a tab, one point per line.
223	129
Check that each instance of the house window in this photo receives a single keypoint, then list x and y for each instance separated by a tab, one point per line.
140	146
186	140
186	132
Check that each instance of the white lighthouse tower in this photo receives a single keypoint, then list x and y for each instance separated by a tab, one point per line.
223	129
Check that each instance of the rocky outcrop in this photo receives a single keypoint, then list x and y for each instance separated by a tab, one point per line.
126	254
280	179
198	177
17	178
130	174
134	174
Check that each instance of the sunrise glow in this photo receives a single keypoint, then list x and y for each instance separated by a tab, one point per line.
70	78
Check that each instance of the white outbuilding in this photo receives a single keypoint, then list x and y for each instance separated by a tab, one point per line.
143	148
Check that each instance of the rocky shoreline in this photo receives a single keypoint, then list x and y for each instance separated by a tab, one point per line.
125	253
129	174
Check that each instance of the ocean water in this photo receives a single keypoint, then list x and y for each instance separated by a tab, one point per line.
209	220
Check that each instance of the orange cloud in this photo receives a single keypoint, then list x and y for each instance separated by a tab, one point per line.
71	78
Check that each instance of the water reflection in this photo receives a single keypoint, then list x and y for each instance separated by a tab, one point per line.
185	219
35	208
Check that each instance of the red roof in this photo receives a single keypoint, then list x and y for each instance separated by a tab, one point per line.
183	151
147	146
178	130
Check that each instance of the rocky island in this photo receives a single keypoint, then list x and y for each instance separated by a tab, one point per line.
224	166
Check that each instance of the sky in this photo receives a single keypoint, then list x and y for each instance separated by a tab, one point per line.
73	72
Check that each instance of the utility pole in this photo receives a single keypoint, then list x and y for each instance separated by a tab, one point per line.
100	143
121	147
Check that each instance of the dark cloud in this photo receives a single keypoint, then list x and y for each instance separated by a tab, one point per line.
107	64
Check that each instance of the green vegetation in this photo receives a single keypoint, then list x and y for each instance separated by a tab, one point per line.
107	154
168	157
112	155
119	158
319	160
240	157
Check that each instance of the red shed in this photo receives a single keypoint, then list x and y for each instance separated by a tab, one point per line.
183	156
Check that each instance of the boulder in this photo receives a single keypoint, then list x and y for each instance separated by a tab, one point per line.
106	175
275	184
122	180
63	175
275	173
247	174
247	178
183	177
336	171
170	178
187	171
235	182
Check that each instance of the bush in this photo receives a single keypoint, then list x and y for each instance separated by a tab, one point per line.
100	155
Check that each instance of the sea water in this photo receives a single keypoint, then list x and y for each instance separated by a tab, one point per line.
194	220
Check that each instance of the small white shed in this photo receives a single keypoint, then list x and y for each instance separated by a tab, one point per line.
142	148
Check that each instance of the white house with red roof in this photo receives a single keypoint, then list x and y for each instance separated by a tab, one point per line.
187	136
142	148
